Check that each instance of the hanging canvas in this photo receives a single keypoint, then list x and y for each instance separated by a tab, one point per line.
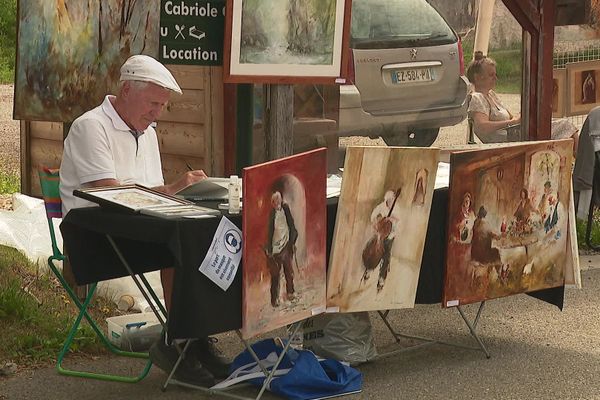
507	221
290	41
284	229
380	227
69	53
582	86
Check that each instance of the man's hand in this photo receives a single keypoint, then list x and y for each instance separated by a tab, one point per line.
186	180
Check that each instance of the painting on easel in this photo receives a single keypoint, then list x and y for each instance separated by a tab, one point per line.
284	219
380	227
508	221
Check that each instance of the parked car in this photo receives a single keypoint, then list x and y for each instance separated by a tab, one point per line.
407	73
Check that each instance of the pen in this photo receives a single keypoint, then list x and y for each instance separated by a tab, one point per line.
189	166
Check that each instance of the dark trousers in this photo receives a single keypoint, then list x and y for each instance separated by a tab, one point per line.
275	263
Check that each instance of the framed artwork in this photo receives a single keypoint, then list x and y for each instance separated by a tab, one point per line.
295	41
582	86
508	221
69	53
284	220
380	227
559	92
138	198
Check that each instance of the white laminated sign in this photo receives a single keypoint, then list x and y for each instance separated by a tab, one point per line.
224	255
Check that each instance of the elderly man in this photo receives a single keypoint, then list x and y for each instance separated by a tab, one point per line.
116	144
280	247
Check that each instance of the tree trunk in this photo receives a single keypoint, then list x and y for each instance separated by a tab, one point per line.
279	121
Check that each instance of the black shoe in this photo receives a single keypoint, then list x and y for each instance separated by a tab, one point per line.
211	357
188	371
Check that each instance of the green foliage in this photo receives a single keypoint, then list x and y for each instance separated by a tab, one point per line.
9	183
8	39
508	66
595	233
33	332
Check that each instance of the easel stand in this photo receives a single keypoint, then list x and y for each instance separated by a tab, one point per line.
427	341
161	313
225	391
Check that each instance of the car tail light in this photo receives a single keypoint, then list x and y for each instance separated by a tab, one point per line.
461	57
351	72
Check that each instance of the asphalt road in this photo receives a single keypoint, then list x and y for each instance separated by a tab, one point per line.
538	352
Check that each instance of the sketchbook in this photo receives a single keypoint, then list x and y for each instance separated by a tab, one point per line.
207	189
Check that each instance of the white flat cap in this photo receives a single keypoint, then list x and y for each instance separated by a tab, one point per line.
147	69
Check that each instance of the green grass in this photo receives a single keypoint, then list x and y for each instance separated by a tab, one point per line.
9	183
8	39
33	332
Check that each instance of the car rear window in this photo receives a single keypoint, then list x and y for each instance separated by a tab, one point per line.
378	24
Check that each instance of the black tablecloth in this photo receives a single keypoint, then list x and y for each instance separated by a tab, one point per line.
200	307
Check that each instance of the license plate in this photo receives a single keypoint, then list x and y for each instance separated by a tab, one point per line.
412	75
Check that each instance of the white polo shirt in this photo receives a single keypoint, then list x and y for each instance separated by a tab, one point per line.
100	145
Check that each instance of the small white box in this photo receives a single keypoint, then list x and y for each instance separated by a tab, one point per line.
133	332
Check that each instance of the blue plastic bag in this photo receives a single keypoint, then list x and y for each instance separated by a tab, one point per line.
300	376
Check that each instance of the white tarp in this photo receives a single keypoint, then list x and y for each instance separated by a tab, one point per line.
25	228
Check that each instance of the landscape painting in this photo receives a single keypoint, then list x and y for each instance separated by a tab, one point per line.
69	53
508	221
283	41
380	229
285	227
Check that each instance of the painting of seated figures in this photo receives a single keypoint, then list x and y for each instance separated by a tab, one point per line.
508	221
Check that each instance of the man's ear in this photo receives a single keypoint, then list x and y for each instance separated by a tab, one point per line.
125	89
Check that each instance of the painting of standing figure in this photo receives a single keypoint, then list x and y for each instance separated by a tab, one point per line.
508	216
69	53
583	92
284	219
380	228
304	36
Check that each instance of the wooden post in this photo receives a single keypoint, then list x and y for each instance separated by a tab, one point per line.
279	121
484	26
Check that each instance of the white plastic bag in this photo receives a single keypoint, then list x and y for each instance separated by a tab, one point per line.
344	337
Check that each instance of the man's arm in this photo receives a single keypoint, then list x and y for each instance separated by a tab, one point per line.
187	179
290	222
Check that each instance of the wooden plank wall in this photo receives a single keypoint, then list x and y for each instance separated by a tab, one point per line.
190	131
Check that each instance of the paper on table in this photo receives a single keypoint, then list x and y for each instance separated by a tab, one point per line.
224	255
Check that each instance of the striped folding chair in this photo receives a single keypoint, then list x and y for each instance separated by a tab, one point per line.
49	179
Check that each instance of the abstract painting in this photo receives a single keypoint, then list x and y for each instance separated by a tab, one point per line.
69	53
288	41
508	221
559	92
380	228
583	90
284	231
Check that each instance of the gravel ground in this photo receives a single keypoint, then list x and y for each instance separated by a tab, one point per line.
9	140
9	132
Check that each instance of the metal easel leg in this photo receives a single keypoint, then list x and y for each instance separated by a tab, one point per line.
473	326
143	286
271	374
429	341
225	391
179	360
